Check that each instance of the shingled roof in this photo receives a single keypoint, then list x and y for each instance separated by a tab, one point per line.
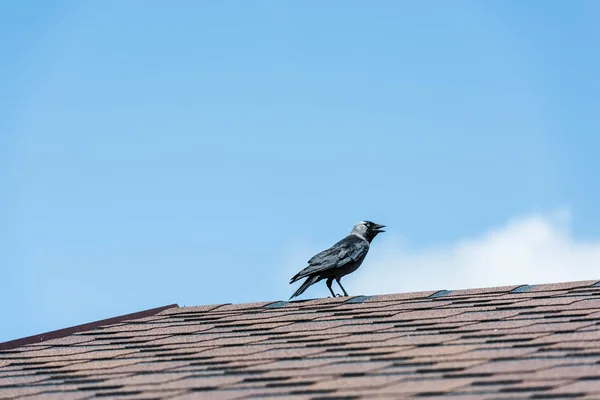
497	343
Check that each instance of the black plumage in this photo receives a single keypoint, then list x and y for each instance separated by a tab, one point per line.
342	258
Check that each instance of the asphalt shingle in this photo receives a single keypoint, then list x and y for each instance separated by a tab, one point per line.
512	342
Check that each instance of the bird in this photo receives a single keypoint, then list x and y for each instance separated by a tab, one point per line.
341	259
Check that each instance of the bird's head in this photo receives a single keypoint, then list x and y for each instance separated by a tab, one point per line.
367	229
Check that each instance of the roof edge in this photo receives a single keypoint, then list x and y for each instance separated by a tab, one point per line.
60	333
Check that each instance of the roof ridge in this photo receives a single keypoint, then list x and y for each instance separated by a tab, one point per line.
428	294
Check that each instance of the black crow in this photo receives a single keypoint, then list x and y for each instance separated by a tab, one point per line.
340	259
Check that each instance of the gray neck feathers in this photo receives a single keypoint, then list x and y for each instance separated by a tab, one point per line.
360	231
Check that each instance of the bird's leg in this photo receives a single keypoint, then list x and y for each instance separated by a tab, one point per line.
340	283
329	282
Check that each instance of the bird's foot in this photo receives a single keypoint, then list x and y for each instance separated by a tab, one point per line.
338	295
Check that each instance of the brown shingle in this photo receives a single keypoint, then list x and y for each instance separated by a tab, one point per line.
22	391
72	395
398	297
146	379
433	351
196	309
291	364
493	353
473	343
20	380
563	285
517	365
482	291
99	364
405	387
591	386
357	382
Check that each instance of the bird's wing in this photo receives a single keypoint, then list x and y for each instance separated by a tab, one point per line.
349	249
346	247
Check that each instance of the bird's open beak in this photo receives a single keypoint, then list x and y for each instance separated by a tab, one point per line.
378	228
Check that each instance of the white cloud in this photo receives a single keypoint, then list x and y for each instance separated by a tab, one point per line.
531	249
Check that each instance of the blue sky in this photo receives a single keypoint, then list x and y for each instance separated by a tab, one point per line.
200	152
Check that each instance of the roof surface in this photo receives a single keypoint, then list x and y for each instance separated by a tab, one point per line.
496	343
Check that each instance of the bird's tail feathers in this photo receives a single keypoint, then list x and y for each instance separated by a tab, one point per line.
309	281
